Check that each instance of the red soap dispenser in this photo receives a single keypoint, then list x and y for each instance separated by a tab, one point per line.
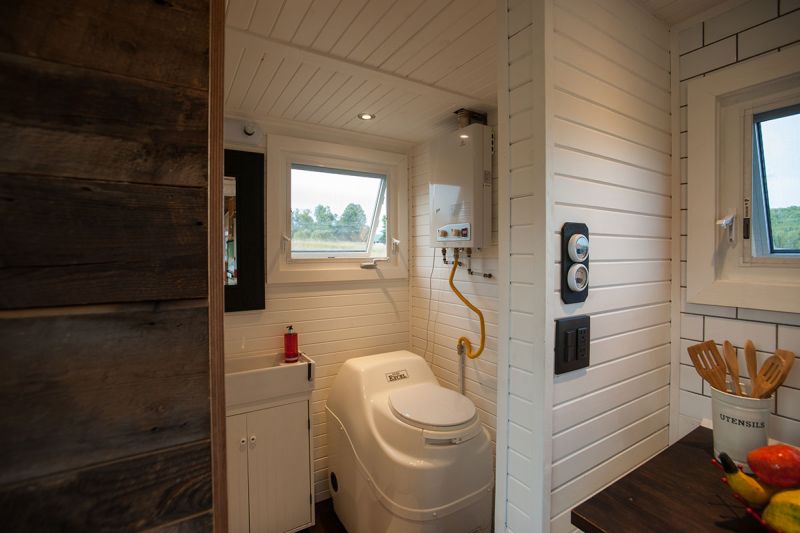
290	351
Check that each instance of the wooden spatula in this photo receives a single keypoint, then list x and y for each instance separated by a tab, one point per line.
770	376
733	365
752	362
709	363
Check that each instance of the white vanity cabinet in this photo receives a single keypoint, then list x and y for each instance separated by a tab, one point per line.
270	483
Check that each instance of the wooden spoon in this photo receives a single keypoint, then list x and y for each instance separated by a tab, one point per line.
752	363
769	377
733	366
709	363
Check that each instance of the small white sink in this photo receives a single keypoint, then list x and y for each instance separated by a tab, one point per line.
263	378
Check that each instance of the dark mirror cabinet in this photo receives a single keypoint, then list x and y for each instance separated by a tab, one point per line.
243	224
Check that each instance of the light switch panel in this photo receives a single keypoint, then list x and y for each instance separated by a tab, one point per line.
572	343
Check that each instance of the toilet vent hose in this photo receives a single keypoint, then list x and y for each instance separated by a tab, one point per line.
464	345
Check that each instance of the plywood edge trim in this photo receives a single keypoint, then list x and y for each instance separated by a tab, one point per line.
216	295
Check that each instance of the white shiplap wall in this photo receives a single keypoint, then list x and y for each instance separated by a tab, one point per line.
438	318
335	322
740	34
611	170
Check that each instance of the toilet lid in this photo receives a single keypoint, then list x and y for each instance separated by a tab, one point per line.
429	404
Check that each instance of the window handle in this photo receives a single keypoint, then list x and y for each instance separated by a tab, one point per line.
395	245
727	223
285	240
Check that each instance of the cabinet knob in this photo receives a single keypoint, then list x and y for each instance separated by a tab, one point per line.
243	441
252	439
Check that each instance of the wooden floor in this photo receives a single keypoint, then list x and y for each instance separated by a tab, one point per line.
326	519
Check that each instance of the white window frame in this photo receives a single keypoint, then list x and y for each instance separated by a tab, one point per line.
720	272
282	152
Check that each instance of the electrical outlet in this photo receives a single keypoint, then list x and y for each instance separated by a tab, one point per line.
583	343
572	343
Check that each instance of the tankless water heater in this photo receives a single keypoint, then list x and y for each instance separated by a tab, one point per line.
460	188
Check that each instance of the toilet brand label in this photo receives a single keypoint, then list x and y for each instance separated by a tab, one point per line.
397	375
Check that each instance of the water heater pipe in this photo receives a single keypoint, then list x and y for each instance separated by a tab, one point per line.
464	345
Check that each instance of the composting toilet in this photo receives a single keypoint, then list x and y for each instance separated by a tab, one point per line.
406	455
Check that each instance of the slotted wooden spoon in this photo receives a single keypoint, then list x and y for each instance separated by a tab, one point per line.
788	361
709	363
733	366
770	376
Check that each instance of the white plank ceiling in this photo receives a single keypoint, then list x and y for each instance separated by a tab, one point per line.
410	62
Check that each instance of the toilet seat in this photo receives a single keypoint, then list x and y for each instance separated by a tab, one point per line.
431	406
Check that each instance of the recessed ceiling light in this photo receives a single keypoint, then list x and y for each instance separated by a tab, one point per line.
366	116
464	136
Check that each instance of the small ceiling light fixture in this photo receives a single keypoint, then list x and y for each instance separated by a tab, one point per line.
366	116
463	136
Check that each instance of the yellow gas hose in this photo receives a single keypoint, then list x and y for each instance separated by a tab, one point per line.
463	341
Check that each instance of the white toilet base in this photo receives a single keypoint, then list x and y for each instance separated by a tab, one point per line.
358	508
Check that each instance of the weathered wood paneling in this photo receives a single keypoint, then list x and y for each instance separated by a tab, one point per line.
203	522
62	120
82	389
159	41
104	123
67	241
130	495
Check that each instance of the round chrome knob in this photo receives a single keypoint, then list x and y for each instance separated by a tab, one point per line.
578	247
577	277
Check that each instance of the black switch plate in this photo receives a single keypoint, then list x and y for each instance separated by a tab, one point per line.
572	343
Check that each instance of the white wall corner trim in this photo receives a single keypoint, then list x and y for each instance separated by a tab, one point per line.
675	309
503	226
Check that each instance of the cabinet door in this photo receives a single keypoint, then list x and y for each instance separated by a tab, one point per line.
280	475
236	453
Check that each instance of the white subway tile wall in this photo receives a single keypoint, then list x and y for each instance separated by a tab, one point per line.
789	5
753	28
708	58
690	39
770	35
739	18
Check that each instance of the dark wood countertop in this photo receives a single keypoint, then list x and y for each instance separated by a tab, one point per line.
677	490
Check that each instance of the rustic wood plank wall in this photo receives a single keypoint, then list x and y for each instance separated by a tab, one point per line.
104	317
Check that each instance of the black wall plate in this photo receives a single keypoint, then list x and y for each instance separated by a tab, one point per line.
568	296
573	336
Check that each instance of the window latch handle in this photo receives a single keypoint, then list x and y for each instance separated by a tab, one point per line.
727	223
395	245
285	240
